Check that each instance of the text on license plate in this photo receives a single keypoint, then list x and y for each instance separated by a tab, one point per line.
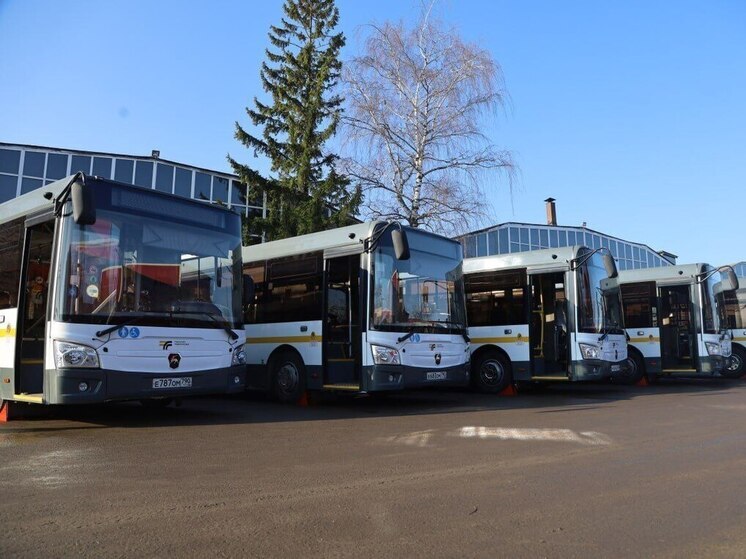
436	375
175	382
615	368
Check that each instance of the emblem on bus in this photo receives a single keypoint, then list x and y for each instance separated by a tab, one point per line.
437	358
165	344
173	360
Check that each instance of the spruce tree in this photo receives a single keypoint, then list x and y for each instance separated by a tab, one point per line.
304	192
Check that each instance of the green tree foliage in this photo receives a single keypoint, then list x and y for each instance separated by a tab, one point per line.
304	192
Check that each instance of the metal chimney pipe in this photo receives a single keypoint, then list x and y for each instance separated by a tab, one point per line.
551	212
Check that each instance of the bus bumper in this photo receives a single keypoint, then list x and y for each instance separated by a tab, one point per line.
379	378
64	385
596	369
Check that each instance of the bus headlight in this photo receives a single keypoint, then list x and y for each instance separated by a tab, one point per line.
589	351
78	356
385	355
713	348
239	356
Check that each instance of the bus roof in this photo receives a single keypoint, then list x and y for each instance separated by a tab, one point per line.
32	202
558	258
343	237
679	273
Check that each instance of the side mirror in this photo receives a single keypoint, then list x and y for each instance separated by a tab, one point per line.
401	244
248	290
84	203
728	279
610	265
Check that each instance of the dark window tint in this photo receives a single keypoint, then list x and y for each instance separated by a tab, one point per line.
124	169
495	299
144	174
183	185
524	235
286	289
482	244
571	241
492	243
553	240
544	238
11	243
164	178
56	165
470	247
27	185
9	160
202	186
220	189
639	304
504	245
8	185
534	238
80	163
33	164
102	167
238	193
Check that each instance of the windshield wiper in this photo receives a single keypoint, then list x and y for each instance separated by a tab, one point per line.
458	325
406	336
220	323
118	325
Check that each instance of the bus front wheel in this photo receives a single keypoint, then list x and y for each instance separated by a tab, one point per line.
736	363
288	378
635	369
491	373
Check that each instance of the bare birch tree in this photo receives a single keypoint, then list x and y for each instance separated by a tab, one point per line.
418	103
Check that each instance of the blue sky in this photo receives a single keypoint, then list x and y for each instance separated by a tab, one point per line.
631	114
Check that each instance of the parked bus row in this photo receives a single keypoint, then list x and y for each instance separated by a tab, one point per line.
113	292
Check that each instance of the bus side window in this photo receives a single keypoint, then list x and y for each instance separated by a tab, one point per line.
11	245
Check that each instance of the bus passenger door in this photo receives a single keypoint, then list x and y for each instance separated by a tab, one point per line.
677	332
341	335
32	314
548	325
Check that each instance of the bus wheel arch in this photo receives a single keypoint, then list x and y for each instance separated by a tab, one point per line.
635	367
735	368
287	374
491	369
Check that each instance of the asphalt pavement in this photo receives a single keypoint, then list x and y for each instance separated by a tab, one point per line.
568	471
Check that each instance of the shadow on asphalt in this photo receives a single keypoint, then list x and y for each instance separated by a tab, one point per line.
252	408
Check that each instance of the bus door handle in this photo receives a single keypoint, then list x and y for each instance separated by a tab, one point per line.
304	328
640	332
2	318
508	331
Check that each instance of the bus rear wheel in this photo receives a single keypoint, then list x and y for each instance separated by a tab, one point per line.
288	378
491	373
735	368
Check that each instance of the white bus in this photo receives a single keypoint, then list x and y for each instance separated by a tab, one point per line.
735	310
373	307
544	315
114	292
675	317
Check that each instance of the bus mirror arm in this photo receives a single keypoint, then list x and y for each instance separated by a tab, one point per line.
84	203
609	264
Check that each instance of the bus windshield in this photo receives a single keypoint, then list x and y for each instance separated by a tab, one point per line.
152	270
715	303
599	306
734	303
422	294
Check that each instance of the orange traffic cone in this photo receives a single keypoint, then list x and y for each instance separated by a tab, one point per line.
509	390
642	382
303	400
4	412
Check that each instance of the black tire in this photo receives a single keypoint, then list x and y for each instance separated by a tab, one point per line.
491	373
288	377
635	371
735	368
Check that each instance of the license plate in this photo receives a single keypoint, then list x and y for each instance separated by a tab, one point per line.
176	382
436	375
616	368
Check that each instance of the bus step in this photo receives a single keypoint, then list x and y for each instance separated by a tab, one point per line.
551	378
343	386
31	398
689	371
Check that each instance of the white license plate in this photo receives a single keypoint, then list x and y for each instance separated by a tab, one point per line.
176	382
436	375
616	368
